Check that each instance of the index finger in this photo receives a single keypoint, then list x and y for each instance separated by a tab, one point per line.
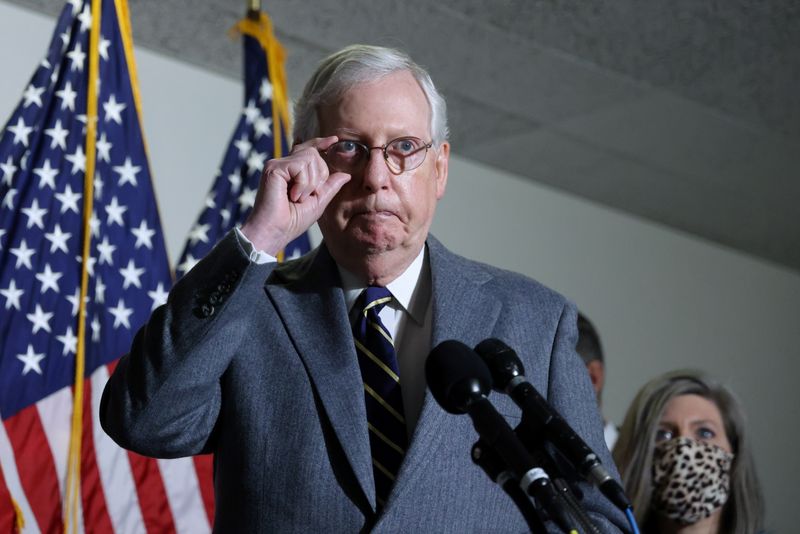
319	143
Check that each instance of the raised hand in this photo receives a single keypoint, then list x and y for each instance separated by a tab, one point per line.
292	195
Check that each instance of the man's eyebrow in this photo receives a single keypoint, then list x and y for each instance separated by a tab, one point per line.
347	131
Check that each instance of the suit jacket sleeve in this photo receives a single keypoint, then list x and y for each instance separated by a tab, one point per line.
476	301
570	392
164	397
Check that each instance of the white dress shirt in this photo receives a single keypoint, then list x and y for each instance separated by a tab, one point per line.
610	433
408	318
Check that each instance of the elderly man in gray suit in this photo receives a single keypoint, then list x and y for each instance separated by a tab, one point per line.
306	379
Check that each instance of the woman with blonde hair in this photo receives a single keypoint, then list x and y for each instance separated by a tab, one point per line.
685	459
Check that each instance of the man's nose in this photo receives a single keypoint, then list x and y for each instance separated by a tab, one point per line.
376	173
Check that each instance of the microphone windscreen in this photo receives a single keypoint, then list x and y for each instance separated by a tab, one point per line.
504	364
455	375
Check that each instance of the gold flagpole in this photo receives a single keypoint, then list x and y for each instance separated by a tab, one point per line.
72	498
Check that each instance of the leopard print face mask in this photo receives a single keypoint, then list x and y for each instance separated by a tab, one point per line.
691	479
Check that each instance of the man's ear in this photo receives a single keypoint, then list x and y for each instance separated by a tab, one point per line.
597	373
442	161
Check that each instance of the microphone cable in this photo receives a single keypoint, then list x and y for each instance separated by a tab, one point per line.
632	520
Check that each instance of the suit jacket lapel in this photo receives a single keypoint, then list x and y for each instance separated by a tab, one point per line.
309	298
464	311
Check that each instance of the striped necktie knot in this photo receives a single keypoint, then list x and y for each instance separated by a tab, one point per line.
376	297
382	395
372	300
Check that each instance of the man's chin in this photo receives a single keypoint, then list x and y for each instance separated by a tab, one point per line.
373	245
373	239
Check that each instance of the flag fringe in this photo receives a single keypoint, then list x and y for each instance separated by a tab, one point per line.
19	517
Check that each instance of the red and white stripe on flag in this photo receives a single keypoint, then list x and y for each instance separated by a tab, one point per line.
121	492
74	172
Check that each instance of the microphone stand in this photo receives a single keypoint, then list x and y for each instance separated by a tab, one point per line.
501	438
532	435
487	459
558	503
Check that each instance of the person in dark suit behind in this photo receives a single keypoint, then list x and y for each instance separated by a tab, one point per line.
591	352
305	379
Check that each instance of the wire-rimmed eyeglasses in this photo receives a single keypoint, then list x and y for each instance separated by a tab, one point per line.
401	154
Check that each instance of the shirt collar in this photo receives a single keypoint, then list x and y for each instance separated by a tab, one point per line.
411	290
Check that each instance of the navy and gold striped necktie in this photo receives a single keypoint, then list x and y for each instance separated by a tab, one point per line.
379	370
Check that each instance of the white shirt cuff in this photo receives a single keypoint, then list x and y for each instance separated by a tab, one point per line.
256	256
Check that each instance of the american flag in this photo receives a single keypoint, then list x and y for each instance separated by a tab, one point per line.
65	475
10	520
260	135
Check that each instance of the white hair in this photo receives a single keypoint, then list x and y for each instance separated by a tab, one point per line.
357	64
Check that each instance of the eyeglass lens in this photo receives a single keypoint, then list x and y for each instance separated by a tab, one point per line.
401	154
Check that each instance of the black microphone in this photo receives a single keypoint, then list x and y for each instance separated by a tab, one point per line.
495	468
460	382
508	375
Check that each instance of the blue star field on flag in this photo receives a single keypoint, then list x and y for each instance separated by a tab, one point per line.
42	168
233	193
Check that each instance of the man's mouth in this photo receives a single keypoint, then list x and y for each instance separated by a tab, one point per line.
375	214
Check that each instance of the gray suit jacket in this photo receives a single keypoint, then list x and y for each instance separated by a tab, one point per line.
256	364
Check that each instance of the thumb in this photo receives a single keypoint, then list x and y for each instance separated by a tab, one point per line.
328	189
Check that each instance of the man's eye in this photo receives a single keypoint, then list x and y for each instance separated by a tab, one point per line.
403	146
346	148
